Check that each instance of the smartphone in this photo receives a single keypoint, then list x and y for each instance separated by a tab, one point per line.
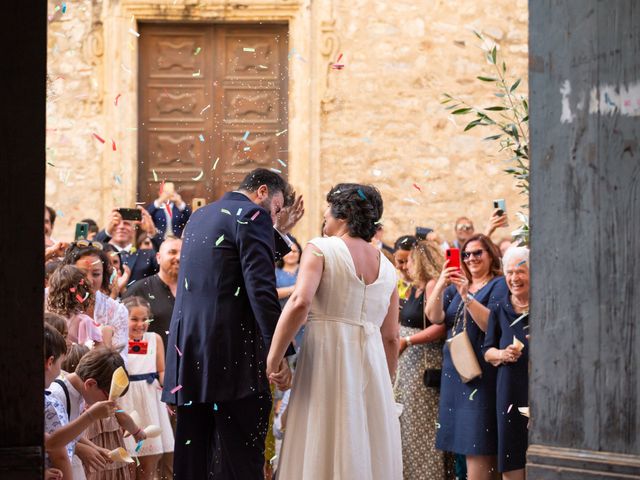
130	214
197	203
82	231
501	206
453	255
139	348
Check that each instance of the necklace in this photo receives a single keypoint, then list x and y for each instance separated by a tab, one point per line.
481	286
519	305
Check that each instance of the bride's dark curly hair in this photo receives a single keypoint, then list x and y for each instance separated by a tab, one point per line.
359	205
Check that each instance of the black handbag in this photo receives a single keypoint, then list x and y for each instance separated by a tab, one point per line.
431	376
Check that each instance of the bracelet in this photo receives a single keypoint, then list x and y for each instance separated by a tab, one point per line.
137	432
469	298
407	339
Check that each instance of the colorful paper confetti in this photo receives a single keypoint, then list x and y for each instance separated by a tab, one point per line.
417	187
134	33
205	109
282	163
175	389
280	133
117	97
139	445
215	407
186	284
225	211
220	240
155	175
98	137
248	49
198	50
196	74
246	135
361	194
275	170
189	403
201	137
199	176
237	292
238	212
215	164
472	394
188	442
510	407
255	215
113	144
178	350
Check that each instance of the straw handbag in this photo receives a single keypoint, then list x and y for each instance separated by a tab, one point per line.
462	353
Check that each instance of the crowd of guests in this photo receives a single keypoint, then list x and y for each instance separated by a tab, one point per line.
109	302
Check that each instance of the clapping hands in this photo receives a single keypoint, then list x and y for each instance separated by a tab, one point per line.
289	216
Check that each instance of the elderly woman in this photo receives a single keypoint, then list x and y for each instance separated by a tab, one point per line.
506	347
467	414
421	349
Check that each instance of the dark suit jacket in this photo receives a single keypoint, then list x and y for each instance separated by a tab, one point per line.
179	218
142	263
226	305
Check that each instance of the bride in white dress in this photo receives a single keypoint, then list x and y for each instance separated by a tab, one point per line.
342	420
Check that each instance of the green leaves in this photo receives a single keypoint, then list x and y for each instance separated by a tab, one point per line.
496	109
461	111
514	86
487	79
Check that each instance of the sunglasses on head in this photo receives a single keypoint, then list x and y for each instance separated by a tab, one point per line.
475	253
464	226
86	243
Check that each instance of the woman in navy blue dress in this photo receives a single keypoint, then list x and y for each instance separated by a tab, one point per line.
508	321
467	415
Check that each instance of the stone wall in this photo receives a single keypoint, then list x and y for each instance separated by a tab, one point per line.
388	127
378	120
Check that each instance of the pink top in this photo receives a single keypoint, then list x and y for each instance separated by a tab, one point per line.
83	328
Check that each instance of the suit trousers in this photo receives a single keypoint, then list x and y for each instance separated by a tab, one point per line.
222	441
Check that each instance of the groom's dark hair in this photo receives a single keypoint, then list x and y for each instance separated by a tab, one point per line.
273	181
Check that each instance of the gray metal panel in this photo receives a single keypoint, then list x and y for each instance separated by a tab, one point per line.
585	217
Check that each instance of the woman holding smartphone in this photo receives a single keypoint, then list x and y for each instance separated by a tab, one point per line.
467	415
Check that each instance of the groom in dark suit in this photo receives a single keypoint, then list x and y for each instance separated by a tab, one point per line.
224	317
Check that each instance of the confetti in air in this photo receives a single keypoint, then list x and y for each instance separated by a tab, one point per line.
280	133
117	179
134	33
175	389
510	407
99	138
246	135
117	97
472	394
523	262
417	187
113	144
361	194
238	212
139	445
188	442
199	176
318	254
196	74
205	109
215	164
225	211
178	350
282	163
219	240
215	407
337	65
189	403
255	215
155	175
201	137
237	292
248	49
275	170
186	284
198	50
525	314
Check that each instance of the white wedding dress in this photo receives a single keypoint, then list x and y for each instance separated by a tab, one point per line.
343	422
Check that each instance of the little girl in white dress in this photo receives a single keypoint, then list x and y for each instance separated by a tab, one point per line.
146	375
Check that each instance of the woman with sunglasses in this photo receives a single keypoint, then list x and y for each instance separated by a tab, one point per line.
467	415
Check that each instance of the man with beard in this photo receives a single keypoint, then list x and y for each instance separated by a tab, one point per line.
160	289
225	314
